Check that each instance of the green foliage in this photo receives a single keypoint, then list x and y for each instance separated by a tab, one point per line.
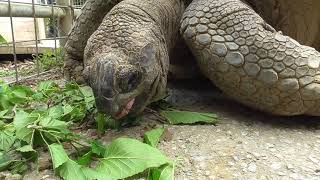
153	137
187	117
50	59
165	172
3	40
32	119
127	157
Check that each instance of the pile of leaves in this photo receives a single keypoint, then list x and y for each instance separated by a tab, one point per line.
35	119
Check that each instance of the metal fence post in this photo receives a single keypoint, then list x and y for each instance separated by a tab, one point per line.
65	23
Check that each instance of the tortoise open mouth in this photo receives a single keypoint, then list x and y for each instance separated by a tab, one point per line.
125	111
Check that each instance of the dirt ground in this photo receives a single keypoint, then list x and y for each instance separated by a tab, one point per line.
246	144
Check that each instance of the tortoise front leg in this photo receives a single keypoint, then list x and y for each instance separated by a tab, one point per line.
87	22
251	62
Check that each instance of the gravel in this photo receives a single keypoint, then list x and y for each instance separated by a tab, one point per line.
246	144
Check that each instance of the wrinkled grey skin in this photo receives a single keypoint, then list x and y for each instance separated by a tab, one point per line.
128	54
127	57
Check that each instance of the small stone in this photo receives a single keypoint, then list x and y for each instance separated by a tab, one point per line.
289	166
236	158
252	167
282	173
269	145
275	166
207	173
268	76
314	159
235	58
231	163
14	177
294	176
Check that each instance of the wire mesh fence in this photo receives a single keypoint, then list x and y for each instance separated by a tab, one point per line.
53	18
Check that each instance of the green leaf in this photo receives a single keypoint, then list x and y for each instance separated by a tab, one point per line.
26	148
38	96
21	122
28	151
95	175
5	102
86	91
187	117
7	138
50	123
4	116
153	137
3	40
58	155
85	159
101	122
2	113
48	87
126	157
5	161
97	148
70	170
20	94
55	112
166	172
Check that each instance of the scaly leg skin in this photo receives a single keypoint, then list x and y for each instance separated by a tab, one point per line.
251	62
87	22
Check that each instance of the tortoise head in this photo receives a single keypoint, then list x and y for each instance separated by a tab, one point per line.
124	85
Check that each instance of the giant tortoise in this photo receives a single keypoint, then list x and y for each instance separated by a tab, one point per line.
249	49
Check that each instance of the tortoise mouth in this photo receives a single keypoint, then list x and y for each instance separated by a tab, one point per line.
126	110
